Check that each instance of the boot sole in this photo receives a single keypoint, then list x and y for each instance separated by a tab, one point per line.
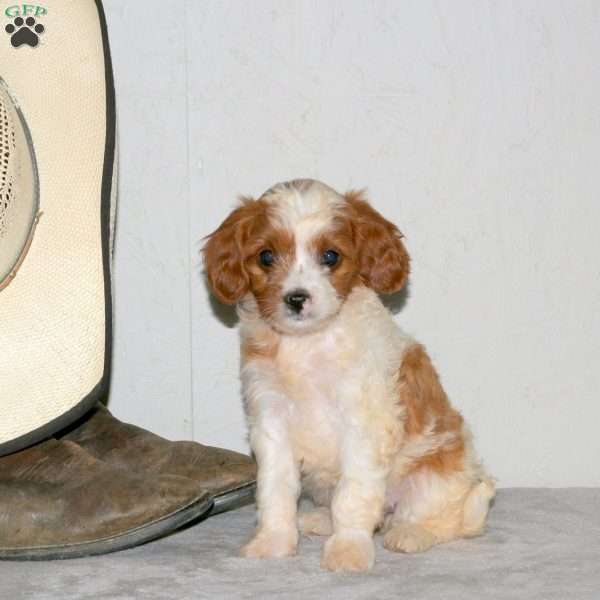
232	499
134	537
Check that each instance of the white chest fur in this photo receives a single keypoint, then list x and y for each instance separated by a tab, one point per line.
310	370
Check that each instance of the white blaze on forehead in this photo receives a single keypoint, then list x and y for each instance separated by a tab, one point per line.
306	271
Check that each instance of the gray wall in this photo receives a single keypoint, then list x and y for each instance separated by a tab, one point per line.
475	126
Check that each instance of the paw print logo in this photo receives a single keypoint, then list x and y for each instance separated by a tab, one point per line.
24	31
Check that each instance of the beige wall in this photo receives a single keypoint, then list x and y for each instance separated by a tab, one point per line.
475	126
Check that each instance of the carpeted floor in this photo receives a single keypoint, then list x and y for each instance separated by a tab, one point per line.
540	544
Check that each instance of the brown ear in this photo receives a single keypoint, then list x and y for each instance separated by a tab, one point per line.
384	262
223	259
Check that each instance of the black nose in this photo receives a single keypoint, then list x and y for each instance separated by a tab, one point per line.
296	299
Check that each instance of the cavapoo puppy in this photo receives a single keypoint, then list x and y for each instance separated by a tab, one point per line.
341	403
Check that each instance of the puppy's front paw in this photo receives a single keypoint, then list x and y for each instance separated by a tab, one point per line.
348	551
271	544
405	537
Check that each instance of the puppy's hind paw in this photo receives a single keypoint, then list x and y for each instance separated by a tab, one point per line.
316	522
271	544
405	537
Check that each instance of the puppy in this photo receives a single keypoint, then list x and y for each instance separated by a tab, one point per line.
341	403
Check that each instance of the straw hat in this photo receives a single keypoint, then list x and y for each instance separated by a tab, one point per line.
57	149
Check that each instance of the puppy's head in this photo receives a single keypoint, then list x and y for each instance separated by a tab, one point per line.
299	250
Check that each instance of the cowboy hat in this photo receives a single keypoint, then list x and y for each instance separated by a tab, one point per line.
57	150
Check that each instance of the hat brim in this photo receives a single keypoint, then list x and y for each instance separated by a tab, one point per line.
55	316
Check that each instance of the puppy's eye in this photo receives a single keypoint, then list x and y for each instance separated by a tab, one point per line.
329	258
266	258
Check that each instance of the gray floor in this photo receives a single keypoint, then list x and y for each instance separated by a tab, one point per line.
540	545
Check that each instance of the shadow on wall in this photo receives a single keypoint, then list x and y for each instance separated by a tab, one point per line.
224	312
396	302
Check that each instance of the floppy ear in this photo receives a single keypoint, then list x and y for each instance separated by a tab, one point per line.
384	262
223	260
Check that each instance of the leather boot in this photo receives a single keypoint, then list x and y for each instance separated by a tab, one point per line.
228	476
58	501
